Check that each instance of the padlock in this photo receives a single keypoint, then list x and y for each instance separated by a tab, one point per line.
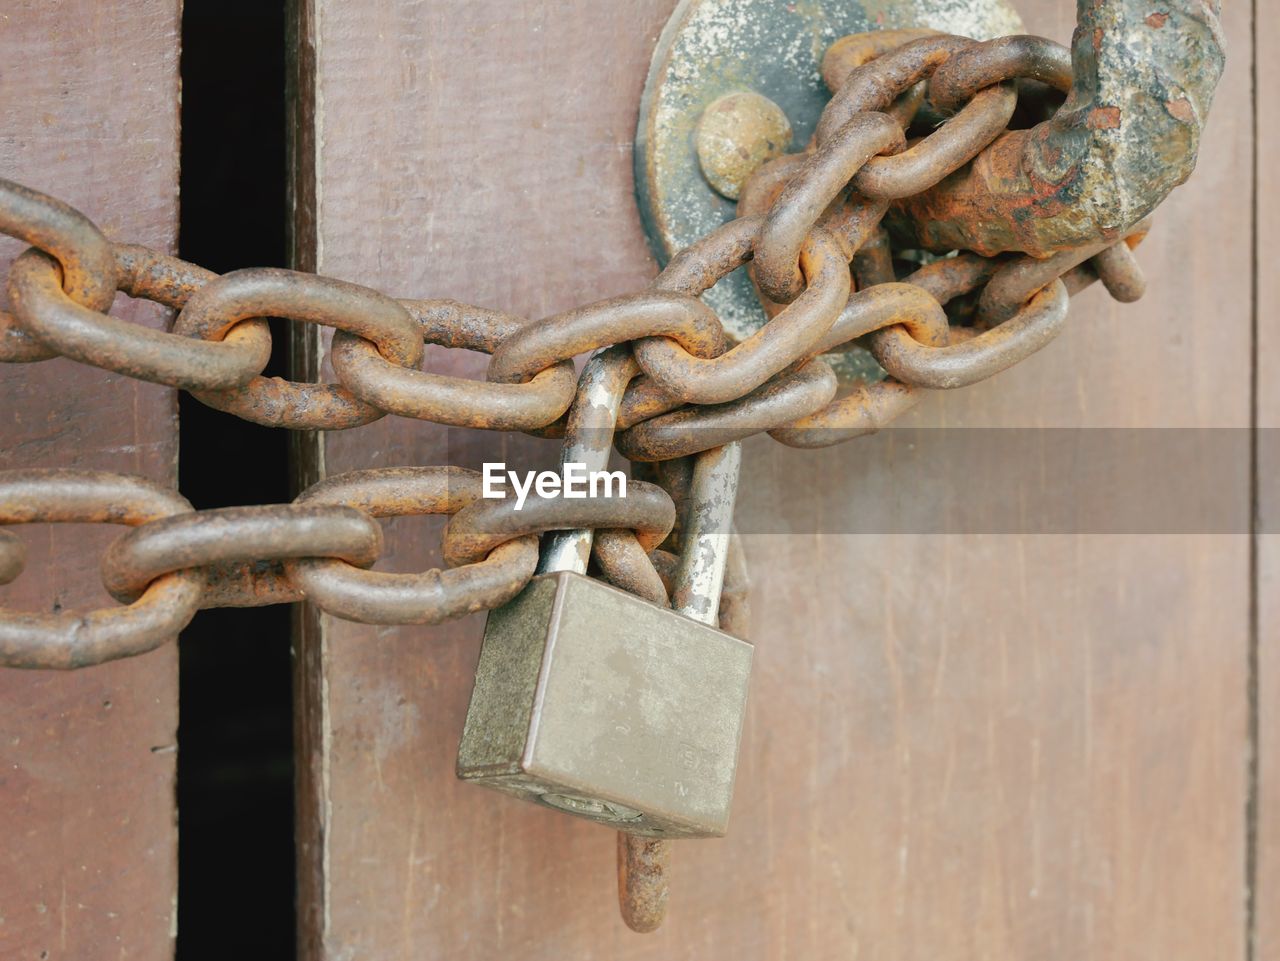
594	702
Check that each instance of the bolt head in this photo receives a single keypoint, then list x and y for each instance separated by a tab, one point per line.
736	135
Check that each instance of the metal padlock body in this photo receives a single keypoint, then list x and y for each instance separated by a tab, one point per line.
597	703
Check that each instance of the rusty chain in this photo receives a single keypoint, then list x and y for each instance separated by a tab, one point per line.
818	230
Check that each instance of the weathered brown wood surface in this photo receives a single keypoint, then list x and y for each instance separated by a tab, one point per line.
960	745
88	843
1266	891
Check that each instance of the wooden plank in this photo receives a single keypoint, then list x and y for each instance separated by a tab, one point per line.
1266	877
960	744
494	132
88	866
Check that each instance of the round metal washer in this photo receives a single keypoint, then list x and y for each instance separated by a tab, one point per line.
710	48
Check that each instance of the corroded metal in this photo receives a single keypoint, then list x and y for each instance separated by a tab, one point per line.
177	561
642	881
1128	134
627	565
825	174
735	135
95	338
152	275
691	430
710	48
218	309
944	151
584	693
863	409
588	441
234	534
13	557
69	639
346	590
906	305
1016	282
673	315
1119	271
807	226
82	253
477	529
457	401
858	49
976	358
787	337
909	316
676	336
1004	58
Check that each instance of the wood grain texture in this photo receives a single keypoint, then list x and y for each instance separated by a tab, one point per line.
1266	891
960	744
89	110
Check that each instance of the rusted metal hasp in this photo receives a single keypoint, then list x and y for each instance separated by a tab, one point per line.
1144	77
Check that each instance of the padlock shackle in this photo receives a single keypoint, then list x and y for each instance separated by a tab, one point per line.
713	490
588	440
708	525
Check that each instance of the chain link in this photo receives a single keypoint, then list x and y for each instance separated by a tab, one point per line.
68	640
811	229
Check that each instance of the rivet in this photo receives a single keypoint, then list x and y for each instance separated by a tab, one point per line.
737	134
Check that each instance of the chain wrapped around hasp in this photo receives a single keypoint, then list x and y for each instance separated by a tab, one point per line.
820	231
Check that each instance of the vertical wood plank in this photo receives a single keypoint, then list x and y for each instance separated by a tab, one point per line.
969	744
88	864
1266	890
502	176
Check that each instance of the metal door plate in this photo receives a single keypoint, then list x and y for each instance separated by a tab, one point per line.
710	48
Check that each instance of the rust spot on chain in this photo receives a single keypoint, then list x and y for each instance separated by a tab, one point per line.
480	527
222	305
695	429
456	401
807	221
1103	118
86	267
231	535
788	337
66	640
345	590
675	315
626	565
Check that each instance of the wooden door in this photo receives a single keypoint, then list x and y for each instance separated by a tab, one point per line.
968	738
88	839
1264	799
978	729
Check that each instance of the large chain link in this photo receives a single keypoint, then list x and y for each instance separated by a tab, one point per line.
814	227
